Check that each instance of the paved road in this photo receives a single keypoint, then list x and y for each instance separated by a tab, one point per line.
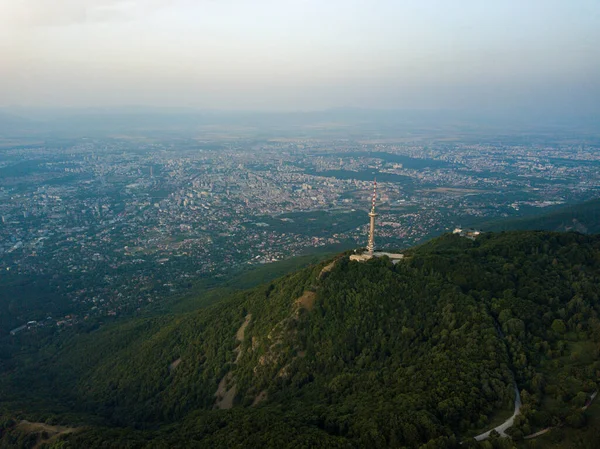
501	429
506	424
509	422
592	397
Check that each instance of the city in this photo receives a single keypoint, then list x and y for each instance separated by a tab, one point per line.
108	226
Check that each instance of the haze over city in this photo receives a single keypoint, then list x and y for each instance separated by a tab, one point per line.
302	55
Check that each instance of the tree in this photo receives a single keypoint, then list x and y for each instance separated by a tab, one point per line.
559	326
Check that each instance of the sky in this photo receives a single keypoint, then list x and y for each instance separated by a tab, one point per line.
294	55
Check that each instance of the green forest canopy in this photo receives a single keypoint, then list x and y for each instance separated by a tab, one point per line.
421	353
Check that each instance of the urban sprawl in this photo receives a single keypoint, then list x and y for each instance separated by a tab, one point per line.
113	225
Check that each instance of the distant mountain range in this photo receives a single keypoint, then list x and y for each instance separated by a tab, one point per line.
78	122
7	120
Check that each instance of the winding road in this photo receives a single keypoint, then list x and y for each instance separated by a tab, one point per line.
506	424
501	429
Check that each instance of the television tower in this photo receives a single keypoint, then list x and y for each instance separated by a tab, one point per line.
372	215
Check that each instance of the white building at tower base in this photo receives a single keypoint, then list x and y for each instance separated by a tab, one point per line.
394	257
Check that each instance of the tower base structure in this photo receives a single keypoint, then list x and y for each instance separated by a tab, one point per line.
394	257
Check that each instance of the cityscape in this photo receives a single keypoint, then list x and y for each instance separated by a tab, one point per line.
108	226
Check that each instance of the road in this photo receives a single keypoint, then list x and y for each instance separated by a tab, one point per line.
501	429
506	424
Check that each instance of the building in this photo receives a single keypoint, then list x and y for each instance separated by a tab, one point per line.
18	329
470	234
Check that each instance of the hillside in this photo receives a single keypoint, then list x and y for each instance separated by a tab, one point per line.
424	353
583	218
24	298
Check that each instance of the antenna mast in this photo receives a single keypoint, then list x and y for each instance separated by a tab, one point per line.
372	215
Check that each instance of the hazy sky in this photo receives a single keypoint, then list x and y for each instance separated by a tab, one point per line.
301	54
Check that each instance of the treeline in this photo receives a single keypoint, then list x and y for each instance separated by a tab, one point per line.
583	217
423	353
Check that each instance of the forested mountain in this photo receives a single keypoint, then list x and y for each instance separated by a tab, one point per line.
583	218
423	353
